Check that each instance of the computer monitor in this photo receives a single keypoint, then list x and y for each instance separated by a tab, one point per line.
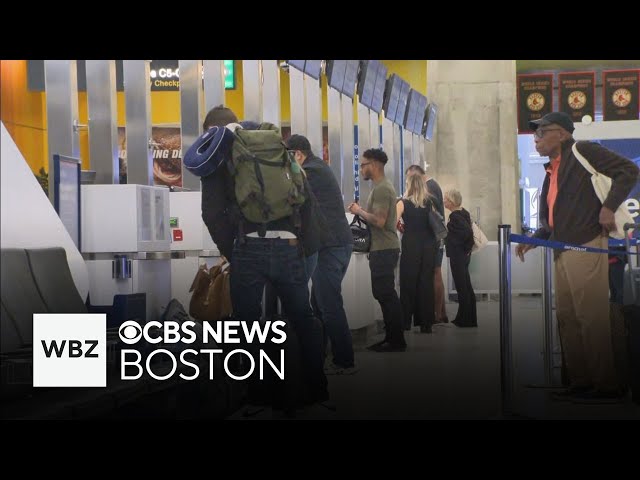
402	103
297	64
312	68
410	113
66	194
422	106
335	73
367	81
430	119
378	89
350	78
391	95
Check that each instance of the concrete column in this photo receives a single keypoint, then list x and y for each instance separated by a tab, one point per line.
475	141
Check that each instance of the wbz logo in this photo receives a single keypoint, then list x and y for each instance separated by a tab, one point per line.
69	350
75	348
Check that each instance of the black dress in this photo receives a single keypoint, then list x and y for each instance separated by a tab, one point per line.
417	264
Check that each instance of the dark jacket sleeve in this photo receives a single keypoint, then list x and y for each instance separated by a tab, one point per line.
622	171
460	233
217	211
543	231
314	229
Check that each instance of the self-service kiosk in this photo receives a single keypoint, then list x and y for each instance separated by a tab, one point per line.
126	243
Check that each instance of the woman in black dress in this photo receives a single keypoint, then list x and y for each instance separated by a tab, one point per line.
417	260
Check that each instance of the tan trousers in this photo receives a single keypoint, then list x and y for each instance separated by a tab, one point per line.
582	310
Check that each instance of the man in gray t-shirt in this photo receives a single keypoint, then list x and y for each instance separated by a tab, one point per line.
383	198
380	215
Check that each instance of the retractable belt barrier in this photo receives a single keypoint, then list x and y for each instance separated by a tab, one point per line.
538	242
505	238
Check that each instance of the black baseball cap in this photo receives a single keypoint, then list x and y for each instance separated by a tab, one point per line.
298	142
557	118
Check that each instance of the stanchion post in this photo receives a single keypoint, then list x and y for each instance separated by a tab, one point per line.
547	303
506	374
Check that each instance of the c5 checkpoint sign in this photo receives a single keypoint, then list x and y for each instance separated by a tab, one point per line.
69	350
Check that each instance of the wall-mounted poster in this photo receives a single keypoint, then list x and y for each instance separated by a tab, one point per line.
535	98
621	95
167	155
577	92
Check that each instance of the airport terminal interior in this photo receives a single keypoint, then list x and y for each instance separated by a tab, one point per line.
104	220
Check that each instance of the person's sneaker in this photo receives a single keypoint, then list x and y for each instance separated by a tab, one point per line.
595	397
333	369
376	345
567	394
350	370
388	347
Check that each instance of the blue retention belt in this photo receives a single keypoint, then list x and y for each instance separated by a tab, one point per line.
538	242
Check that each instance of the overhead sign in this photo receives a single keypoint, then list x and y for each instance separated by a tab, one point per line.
165	75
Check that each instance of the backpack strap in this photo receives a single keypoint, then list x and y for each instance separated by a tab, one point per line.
583	161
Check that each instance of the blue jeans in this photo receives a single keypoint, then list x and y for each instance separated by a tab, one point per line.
277	261
310	265
327	298
270	295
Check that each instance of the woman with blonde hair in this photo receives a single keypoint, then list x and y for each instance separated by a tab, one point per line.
459	242
417	260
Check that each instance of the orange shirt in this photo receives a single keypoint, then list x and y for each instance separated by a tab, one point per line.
553	186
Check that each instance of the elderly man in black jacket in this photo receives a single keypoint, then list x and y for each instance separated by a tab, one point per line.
571	212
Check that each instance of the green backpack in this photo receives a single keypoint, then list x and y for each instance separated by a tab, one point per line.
269	183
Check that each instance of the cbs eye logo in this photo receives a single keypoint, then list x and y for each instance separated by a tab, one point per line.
130	332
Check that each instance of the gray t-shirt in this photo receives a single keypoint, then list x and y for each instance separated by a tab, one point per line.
383	197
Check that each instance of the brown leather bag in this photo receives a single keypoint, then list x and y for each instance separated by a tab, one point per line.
211	298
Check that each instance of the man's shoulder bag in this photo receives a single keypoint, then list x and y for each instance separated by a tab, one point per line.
602	186
361	235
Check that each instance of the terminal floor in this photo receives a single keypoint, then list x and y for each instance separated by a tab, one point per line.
453	374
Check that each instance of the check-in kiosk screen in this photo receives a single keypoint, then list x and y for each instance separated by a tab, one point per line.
67	194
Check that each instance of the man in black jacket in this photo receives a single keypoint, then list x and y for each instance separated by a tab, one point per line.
571	212
333	257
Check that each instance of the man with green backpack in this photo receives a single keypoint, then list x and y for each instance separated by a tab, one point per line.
260	212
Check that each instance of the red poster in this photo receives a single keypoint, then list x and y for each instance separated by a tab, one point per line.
167	155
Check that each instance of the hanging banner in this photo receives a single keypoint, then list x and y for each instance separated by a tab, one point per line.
167	155
535	98
577	92
621	95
